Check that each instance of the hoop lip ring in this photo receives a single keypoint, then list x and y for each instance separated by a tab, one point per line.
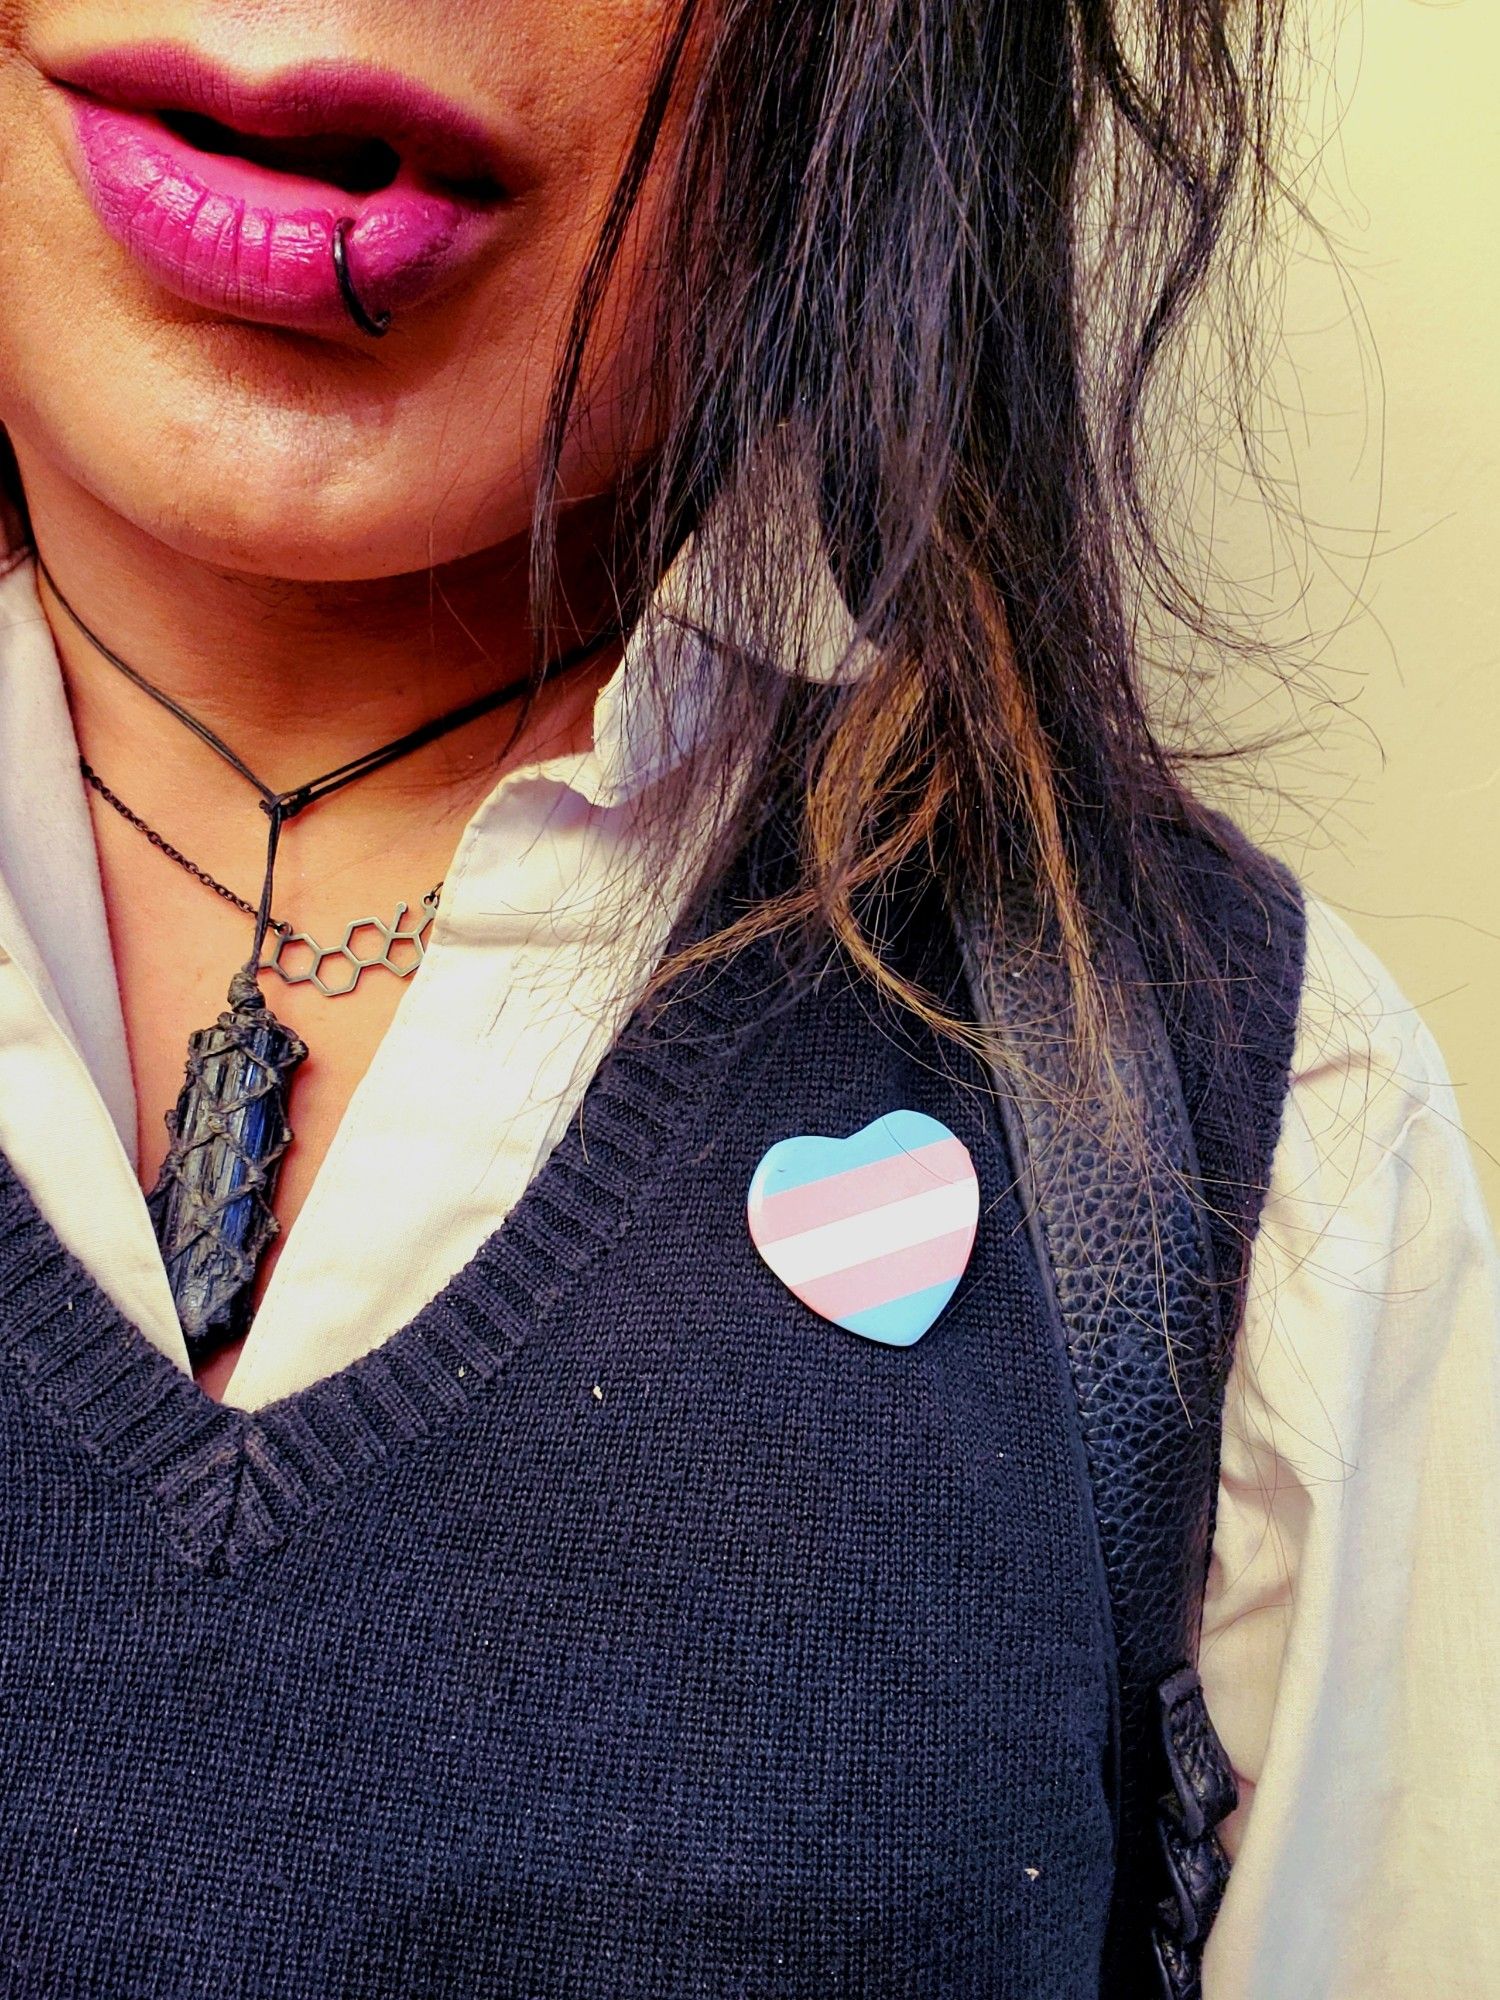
376	325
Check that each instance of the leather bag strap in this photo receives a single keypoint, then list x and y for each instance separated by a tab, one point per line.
1117	1220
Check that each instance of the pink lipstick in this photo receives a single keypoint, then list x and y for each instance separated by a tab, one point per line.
229	192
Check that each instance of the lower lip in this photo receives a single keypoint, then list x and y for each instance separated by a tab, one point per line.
258	245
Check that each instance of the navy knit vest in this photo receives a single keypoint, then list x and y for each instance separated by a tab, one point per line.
617	1628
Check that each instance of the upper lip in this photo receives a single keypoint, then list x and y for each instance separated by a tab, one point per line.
329	96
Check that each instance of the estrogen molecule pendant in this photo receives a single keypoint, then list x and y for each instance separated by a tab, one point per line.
367	945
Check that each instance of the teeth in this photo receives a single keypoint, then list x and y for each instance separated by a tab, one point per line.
358	166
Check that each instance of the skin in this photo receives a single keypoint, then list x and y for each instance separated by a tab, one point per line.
313	543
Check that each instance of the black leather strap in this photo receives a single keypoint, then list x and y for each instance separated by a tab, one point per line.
1118	1223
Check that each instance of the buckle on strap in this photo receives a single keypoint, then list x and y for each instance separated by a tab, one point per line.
1196	1868
1202	1776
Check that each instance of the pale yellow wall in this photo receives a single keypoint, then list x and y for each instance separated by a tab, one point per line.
1391	807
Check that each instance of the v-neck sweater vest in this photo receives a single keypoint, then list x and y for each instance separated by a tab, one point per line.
617	1627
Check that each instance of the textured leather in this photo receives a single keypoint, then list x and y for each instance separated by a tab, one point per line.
1179	1968
1203	1793
1198	1871
1118	1219
1203	1786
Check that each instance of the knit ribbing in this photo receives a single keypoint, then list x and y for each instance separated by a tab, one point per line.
618	1628
229	1484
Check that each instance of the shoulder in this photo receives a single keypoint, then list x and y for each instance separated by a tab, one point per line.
1312	1081
1337	1097
1225	952
1357	1061
1357	1031
1371	1113
1246	907
1228	963
1376	1249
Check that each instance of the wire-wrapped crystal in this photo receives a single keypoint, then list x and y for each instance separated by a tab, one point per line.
212	1203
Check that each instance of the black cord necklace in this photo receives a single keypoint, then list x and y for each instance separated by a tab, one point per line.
211	1207
402	946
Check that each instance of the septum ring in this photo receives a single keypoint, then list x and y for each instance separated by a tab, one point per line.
375	324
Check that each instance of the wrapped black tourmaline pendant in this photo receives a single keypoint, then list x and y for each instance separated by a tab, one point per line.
211	1206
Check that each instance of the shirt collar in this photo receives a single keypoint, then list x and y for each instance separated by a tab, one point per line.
658	705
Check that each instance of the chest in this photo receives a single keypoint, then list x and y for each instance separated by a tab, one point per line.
451	1083
175	946
696	1646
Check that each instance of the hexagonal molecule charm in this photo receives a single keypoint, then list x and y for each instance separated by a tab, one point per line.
367	945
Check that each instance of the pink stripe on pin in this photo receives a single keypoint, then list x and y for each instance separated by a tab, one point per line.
873	1231
861	1188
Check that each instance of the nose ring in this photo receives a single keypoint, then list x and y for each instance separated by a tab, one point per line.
374	324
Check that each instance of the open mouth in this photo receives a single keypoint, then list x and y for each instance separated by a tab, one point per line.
267	197
358	166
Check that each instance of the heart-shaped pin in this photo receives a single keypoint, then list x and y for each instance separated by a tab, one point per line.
872	1231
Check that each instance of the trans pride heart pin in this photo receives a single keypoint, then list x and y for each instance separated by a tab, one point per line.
872	1231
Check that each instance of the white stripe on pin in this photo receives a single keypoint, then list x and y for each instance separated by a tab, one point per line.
873	1231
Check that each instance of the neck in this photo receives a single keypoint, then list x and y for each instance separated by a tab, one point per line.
299	677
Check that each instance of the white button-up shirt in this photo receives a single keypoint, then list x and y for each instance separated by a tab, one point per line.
1352	1625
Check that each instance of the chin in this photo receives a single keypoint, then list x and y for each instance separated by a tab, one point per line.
359	532
254	521
224	469
249	448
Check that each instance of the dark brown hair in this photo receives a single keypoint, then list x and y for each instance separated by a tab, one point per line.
930	253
